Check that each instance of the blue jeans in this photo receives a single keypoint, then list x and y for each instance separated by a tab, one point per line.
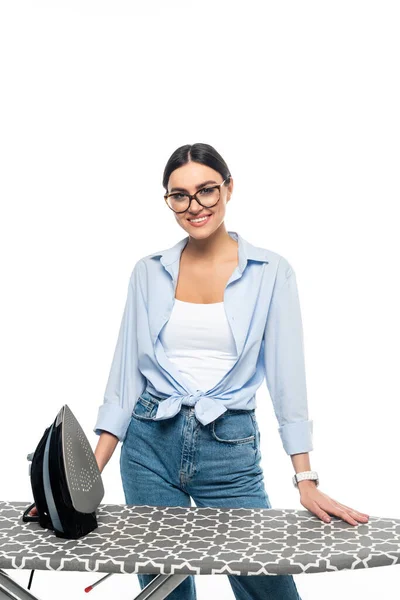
166	462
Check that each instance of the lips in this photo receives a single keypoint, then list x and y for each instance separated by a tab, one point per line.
199	217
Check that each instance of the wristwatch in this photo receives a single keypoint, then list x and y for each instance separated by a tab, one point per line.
305	475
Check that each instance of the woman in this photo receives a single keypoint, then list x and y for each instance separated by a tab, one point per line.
204	323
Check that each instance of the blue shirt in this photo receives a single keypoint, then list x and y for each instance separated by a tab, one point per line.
262	307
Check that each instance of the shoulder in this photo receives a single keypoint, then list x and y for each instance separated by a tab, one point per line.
138	271
143	267
284	268
276	263
278	266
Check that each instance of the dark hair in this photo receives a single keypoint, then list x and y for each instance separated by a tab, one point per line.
200	153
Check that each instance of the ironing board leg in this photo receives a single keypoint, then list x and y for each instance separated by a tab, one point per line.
11	589
157	589
160	586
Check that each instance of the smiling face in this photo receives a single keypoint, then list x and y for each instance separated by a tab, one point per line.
191	177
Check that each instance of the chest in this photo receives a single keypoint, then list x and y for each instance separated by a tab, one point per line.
203	284
245	296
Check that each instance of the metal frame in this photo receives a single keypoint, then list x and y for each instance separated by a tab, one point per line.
157	589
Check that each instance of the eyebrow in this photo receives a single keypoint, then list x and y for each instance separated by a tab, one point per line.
178	189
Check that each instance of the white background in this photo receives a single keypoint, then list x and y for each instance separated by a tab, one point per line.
302	100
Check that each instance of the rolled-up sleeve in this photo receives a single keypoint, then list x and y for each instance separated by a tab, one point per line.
125	381
285	365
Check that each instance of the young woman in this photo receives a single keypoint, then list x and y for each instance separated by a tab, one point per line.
205	322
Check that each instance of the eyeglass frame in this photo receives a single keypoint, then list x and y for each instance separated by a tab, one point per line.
191	196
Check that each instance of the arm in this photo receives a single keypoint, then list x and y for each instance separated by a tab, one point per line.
285	371
285	364
105	448
125	381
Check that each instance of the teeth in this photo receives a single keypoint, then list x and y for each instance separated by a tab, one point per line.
198	220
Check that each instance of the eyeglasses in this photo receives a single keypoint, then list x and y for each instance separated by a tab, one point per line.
207	196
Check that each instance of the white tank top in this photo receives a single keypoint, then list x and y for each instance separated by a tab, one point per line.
197	338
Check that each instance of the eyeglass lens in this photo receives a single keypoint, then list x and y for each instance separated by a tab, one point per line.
207	197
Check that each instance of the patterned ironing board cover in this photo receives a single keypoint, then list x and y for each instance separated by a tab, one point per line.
200	541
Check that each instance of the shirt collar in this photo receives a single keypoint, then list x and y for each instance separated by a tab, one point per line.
246	251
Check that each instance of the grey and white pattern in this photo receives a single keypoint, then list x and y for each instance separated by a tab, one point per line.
200	541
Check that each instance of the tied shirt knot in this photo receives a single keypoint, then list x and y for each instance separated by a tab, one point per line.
206	408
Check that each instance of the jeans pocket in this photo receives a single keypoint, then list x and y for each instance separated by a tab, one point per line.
145	408
258	436
235	427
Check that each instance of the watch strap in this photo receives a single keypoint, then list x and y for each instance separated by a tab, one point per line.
313	475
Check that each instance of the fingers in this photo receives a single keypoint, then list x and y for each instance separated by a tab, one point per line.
337	510
321	513
353	511
346	513
343	514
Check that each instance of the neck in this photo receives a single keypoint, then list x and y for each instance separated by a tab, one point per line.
219	245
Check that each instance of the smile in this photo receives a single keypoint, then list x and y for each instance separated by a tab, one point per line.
197	221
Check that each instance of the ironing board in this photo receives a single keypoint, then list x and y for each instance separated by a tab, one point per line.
175	542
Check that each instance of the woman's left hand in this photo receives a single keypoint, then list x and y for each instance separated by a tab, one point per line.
321	504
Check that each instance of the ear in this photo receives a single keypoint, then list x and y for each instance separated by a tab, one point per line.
230	189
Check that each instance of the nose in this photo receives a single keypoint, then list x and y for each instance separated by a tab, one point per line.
190	207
